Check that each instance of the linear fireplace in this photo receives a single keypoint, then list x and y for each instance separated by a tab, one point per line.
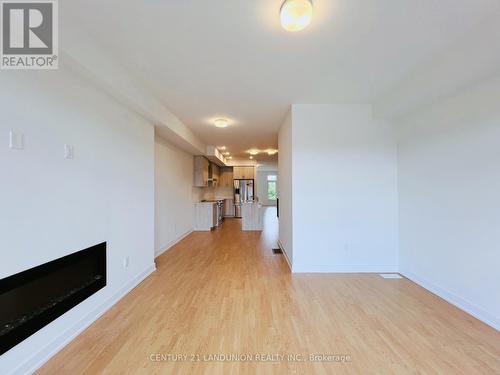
32	299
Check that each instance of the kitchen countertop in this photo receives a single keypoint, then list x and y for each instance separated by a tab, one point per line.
214	200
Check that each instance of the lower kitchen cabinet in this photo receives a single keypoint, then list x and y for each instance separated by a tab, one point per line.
205	216
228	207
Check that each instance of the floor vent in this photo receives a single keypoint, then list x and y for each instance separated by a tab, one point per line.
391	275
277	251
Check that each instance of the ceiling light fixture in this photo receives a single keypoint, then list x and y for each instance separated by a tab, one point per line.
296	14
251	157
253	152
221	123
272	152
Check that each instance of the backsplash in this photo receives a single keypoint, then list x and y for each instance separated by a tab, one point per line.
208	193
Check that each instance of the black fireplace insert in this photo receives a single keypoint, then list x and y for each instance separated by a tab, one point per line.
33	298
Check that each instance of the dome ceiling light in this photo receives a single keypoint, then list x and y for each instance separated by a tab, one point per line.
296	14
221	123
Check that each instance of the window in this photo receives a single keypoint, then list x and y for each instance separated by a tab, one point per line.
272	181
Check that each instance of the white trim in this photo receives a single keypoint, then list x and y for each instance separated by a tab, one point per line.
285	254
172	243
346	269
37	360
466	306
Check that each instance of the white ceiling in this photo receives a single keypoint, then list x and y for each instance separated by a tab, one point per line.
230	58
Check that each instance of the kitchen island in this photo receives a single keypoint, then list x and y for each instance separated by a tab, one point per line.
251	216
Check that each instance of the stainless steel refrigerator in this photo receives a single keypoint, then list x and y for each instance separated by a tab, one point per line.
243	192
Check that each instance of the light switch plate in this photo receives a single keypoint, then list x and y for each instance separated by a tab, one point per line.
68	151
16	140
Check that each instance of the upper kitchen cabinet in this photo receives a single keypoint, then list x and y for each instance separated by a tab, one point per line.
244	173
214	175
201	166
226	179
250	173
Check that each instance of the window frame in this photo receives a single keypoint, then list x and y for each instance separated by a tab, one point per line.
273	180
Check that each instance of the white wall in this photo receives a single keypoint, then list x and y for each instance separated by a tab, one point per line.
285	187
262	187
469	59
345	203
99	66
52	206
449	184
174	194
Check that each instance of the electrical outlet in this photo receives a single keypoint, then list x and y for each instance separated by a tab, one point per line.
126	262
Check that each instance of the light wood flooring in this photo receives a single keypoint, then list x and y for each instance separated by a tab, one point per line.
224	292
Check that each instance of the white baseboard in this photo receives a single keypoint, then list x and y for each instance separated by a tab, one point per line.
33	363
338	268
462	304
285	254
172	243
346	269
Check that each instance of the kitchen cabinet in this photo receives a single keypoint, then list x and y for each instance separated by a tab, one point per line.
244	173
226	179
201	166
215	174
238	173
251	216
205	216
228	207
251	173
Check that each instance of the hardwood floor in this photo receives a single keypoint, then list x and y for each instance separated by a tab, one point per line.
224	292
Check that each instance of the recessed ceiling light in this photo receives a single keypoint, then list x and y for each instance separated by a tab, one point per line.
253	152
272	151
221	123
296	14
